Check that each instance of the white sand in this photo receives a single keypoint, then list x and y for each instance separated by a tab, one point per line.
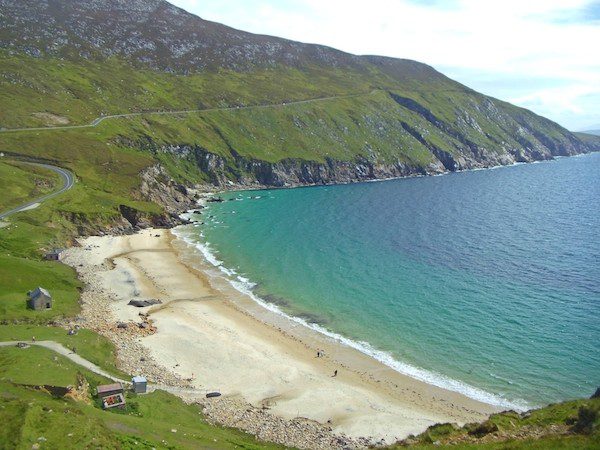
226	342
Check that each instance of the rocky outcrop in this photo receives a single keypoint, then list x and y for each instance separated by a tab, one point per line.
294	172
248	172
158	187
291	172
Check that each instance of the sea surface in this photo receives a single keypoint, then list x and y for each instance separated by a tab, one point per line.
485	282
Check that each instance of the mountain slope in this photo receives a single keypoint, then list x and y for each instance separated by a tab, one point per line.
594	132
71	61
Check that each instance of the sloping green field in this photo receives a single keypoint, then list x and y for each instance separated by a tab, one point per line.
32	416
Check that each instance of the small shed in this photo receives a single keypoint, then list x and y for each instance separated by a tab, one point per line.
139	384
54	255
111	395
39	299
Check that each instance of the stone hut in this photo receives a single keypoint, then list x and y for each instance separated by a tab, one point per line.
54	255
39	299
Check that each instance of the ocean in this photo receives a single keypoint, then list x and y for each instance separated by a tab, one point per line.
484	282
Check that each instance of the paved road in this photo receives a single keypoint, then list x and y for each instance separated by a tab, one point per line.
74	357
99	120
68	181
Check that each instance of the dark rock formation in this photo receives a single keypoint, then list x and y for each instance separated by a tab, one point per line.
144	303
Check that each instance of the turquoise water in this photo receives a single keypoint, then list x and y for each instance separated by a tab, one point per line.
486	282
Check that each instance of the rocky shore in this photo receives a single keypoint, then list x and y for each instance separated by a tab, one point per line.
96	314
299	432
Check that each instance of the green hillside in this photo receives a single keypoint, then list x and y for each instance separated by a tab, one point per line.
35	411
269	112
569	425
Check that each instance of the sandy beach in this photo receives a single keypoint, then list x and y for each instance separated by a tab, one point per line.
218	339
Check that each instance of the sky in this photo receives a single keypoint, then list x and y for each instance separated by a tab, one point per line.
543	55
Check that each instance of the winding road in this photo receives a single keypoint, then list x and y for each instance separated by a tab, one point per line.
98	120
68	182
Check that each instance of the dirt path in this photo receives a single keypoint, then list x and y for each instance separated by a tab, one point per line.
74	357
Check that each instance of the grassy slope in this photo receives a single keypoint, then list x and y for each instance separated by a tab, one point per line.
22	182
364	122
523	431
147	422
20	275
89	345
81	91
591	139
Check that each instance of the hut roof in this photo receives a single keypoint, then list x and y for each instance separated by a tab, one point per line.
39	291
103	388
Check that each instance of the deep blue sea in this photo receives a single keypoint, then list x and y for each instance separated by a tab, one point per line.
486	282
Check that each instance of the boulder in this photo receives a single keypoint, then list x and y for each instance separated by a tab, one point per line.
144	303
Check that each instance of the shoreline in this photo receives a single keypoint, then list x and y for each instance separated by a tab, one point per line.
208	335
244	287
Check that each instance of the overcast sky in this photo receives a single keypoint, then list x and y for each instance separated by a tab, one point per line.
540	54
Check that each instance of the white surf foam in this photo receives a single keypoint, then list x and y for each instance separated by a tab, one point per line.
245	286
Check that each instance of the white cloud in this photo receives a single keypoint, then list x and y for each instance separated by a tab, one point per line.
537	38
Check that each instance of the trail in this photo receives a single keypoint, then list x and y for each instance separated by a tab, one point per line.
80	361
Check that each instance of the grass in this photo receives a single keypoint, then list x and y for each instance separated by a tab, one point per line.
22	182
157	420
89	345
576	442
24	366
568	415
21	275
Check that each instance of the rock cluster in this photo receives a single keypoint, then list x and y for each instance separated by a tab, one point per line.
132	357
299	432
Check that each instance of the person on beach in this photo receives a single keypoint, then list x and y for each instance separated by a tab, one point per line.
335	373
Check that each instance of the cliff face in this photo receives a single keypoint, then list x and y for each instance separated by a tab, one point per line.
248	172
